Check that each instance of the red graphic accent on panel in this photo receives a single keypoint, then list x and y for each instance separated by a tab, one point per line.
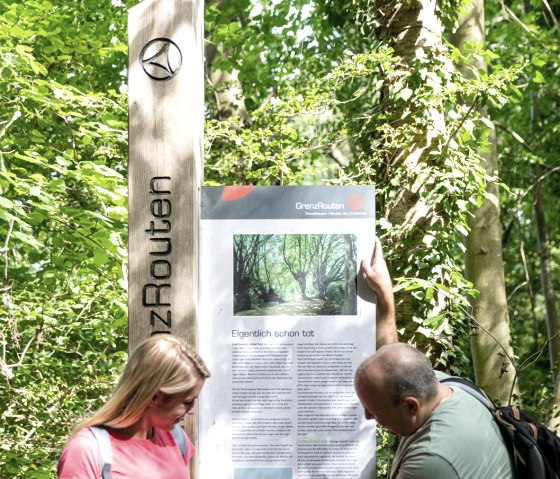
234	193
355	202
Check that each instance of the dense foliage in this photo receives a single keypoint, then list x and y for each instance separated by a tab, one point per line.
63	219
324	100
527	33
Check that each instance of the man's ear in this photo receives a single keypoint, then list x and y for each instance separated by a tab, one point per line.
412	405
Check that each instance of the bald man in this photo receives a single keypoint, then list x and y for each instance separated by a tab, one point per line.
445	432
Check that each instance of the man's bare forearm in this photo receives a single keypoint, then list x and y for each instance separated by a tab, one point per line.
379	280
385	323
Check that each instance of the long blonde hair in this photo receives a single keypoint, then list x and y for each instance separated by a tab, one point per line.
160	363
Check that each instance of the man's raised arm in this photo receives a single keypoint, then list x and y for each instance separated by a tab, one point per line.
378	279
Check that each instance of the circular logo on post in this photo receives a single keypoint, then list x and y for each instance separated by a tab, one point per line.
161	59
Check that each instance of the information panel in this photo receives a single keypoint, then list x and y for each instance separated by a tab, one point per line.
284	321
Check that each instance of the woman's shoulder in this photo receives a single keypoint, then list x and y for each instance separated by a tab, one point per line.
83	439
80	457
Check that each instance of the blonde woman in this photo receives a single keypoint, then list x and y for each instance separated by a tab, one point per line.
160	384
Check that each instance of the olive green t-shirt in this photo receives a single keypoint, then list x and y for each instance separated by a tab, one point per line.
460	440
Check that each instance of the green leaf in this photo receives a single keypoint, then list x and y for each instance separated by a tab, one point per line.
538	77
538	61
493	198
461	229
405	94
6	203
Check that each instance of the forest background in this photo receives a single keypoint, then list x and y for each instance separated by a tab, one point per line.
450	109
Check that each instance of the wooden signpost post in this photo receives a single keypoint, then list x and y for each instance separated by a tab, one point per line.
165	166
166	99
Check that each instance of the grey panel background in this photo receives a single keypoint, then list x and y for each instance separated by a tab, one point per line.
279	202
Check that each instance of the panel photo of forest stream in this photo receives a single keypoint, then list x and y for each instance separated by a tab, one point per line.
294	274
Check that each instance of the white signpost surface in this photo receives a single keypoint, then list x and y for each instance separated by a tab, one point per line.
284	322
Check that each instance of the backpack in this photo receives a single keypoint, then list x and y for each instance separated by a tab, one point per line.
106	453
534	447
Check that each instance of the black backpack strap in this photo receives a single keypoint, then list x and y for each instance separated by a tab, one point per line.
105	450
471	388
180	439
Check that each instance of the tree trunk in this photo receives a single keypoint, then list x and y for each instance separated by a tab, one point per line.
301	278
552	323
412	29
227	89
490	333
242	298
553	417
